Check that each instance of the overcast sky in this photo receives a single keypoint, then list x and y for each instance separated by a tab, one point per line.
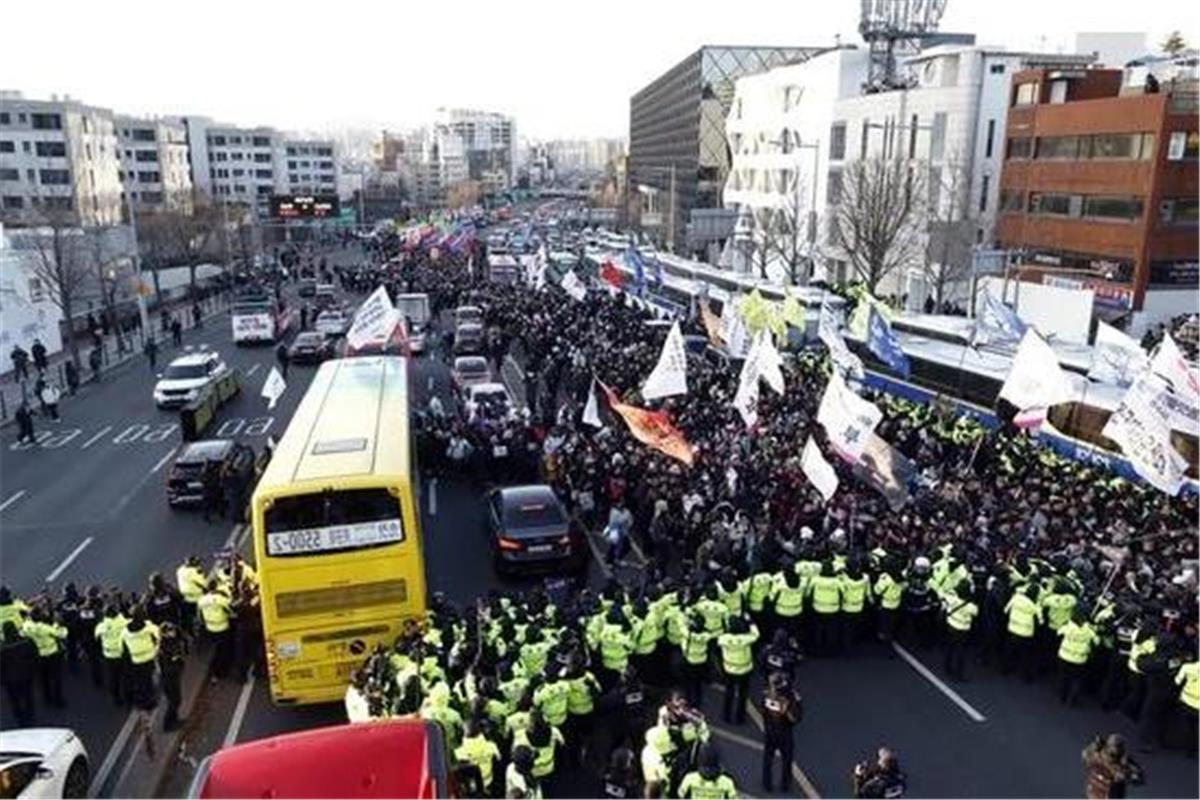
563	68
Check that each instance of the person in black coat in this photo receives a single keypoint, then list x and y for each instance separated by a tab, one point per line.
18	666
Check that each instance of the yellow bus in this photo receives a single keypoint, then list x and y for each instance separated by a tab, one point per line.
337	534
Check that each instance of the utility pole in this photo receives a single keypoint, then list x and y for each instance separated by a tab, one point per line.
143	315
672	228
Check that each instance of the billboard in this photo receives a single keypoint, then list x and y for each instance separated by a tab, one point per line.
304	206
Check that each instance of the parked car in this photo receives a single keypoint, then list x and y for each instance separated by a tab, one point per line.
186	377
468	371
529	530
311	347
468	340
185	479
468	315
43	763
325	295
332	322
489	393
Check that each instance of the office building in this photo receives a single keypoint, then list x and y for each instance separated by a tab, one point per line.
235	165
488	143
155	169
309	166
58	157
1099	185
678	157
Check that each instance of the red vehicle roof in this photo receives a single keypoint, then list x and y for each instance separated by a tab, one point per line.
389	758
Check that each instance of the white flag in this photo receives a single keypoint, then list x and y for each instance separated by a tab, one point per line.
1116	358
818	471
738	340
573	286
746	399
273	387
1141	426
1170	365
670	373
770	362
591	411
848	419
1035	379
374	322
829	333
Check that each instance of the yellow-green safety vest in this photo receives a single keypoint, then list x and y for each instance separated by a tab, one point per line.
214	610
46	635
1022	615
1189	677
854	593
736	654
142	645
109	631
826	594
1077	641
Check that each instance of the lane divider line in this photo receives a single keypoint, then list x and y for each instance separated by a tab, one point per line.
14	498
114	752
66	562
96	438
798	774
239	711
253	369
162	461
433	484
938	683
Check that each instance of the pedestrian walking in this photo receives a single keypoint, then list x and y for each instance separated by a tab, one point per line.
282	356
176	332
197	316
20	362
72	377
24	419
151	351
94	359
50	395
18	666
40	360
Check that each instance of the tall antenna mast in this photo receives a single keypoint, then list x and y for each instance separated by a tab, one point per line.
893	28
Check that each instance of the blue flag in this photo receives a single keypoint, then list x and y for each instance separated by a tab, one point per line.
884	344
996	321
634	259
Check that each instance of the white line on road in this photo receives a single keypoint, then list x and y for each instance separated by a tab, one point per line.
252	370
15	497
938	683
114	752
239	711
744	741
234	535
96	438
164	459
429	384
799	775
433	483
66	562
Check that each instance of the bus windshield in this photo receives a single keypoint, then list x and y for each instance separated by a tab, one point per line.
263	307
349	519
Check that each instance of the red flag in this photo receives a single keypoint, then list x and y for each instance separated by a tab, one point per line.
652	428
611	275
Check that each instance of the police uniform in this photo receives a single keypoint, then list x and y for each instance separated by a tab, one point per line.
171	655
737	661
214	608
48	637
140	641
695	785
781	712
109	631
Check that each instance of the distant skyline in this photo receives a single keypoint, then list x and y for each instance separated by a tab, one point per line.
563	70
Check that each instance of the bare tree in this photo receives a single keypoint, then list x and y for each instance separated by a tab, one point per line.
878	224
108	254
789	241
173	237
951	227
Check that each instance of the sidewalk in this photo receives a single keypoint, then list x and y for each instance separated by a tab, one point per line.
12	391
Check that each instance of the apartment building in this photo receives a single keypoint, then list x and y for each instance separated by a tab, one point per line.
233	164
488	141
155	168
309	166
58	156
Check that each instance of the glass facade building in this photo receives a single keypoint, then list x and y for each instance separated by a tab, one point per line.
677	135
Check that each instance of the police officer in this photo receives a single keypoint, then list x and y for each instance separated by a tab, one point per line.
190	581
48	635
67	608
519	780
480	752
12	609
1024	616
215	611
781	655
889	589
172	649
162	602
708	781
960	611
781	710
737	662
18	666
1187	678
825	591
695	648
621	779
110	632
1076	640
140	641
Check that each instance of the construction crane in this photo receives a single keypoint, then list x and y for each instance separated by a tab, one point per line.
893	28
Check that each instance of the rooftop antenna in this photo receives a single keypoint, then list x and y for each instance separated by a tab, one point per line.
894	28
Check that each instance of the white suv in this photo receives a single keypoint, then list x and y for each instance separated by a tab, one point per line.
186	377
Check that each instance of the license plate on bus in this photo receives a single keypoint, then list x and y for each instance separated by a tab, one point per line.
335	537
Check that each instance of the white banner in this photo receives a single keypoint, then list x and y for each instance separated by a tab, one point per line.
573	286
1170	365
334	537
818	471
848	419
591	411
738	340
1117	358
829	333
1035	379
746	399
273	387
374	322
669	376
770	363
1141	426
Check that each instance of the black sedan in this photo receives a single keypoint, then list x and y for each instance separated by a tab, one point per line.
529	531
208	460
311	347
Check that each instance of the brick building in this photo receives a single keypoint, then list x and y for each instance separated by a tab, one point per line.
1099	186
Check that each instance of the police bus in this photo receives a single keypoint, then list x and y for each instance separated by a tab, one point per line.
336	528
256	317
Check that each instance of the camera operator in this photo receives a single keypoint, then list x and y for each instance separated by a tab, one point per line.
883	778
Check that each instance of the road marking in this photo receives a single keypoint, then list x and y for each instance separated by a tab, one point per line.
15	497
164	459
433	484
234	535
96	438
938	683
66	562
239	711
429	384
114	752
732	736
252	370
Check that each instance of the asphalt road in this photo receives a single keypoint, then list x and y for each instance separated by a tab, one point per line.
102	485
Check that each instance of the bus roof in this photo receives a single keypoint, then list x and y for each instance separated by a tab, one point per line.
348	424
388	758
